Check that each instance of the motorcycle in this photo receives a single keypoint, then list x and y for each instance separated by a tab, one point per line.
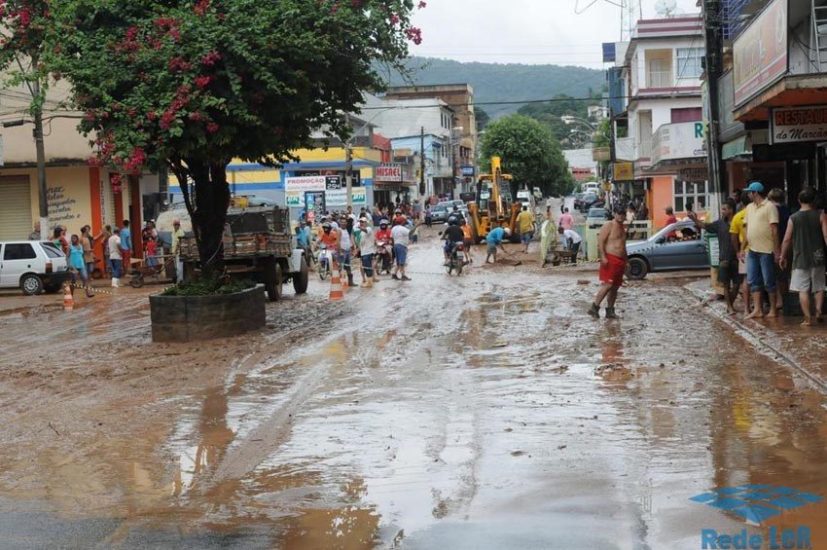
384	257
325	262
456	260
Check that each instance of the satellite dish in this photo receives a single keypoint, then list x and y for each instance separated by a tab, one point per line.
666	8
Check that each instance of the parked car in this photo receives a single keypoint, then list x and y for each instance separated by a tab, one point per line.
32	266
439	213
597	216
588	200
677	246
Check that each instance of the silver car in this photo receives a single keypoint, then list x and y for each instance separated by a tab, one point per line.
677	246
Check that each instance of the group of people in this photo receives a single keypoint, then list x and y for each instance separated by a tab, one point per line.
349	238
766	250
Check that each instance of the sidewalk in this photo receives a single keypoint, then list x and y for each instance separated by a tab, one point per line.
782	339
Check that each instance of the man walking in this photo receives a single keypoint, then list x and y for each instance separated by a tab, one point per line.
126	246
566	220
806	234
611	246
401	237
727	256
115	257
761	221
177	235
525	221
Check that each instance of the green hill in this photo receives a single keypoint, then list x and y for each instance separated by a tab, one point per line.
494	82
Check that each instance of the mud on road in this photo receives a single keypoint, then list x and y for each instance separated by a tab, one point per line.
487	411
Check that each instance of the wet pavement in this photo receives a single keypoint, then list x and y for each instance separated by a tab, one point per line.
487	411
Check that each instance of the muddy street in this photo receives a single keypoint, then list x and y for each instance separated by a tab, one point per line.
487	411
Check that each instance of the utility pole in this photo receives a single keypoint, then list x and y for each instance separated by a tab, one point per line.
714	68
348	172
422	161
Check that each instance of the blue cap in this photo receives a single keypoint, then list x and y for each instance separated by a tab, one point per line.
755	186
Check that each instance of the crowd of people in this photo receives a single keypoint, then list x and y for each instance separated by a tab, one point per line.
364	238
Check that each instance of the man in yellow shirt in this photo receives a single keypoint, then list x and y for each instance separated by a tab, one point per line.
525	222
738	234
761	220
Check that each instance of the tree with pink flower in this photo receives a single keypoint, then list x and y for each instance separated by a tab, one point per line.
194	84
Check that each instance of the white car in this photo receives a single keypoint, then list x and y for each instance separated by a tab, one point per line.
32	266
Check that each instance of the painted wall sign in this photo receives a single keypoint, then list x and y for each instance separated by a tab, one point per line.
798	124
760	52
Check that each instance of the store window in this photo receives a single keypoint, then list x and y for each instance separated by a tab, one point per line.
690	62
691	194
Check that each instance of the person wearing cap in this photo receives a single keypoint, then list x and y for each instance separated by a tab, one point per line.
611	247
761	221
494	239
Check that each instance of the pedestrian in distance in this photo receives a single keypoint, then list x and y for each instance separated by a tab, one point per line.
782	279
115	257
566	220
728	275
126	247
177	235
805	236
367	249
467	239
103	238
35	235
525	222
87	243
495	239
60	241
761	221
346	248
77	264
611	247
400	235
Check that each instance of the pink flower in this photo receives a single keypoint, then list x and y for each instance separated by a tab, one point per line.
422	4
203	81
201	7
414	35
212	127
211	58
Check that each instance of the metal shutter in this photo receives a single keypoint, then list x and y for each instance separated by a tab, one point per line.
15	208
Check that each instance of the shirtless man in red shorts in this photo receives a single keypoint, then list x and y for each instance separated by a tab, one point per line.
611	245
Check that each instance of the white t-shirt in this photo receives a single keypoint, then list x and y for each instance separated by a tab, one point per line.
345	241
367	243
114	245
400	235
573	236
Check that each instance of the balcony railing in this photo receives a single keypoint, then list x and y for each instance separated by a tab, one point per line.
644	149
659	79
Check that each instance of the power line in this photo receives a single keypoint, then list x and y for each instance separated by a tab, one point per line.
480	103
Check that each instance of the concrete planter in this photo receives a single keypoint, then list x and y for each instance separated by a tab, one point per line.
189	318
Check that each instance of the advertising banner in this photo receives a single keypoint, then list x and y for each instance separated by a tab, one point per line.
305	183
798	124
338	198
684	140
624	171
759	54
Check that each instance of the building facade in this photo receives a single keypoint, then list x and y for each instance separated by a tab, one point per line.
772	121
656	107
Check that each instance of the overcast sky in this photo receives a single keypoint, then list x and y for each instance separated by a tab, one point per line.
525	31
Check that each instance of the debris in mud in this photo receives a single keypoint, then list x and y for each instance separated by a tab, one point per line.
561	369
582	282
561	447
614	372
517	453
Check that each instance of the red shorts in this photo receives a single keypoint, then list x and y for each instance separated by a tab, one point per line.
612	273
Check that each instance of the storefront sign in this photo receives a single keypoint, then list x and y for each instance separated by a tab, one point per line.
305	183
468	171
684	140
388	173
696	175
293	198
333	182
798	124
624	171
338	198
760	52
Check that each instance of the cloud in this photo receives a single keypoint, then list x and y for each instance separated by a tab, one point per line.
523	31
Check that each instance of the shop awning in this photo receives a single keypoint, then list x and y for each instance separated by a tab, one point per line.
738	147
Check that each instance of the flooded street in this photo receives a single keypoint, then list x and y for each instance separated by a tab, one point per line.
487	411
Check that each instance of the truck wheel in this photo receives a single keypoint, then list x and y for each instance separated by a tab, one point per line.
31	284
301	279
273	280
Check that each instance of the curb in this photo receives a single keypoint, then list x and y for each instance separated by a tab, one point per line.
761	344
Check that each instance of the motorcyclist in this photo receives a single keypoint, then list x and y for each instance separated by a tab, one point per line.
330	239
383	241
452	235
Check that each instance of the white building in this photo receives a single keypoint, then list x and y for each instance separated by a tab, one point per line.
661	128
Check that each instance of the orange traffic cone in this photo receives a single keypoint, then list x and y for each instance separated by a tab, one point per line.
68	300
336	291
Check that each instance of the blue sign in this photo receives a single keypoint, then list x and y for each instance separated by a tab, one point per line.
609	52
468	171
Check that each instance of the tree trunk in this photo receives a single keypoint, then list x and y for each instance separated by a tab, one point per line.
212	198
